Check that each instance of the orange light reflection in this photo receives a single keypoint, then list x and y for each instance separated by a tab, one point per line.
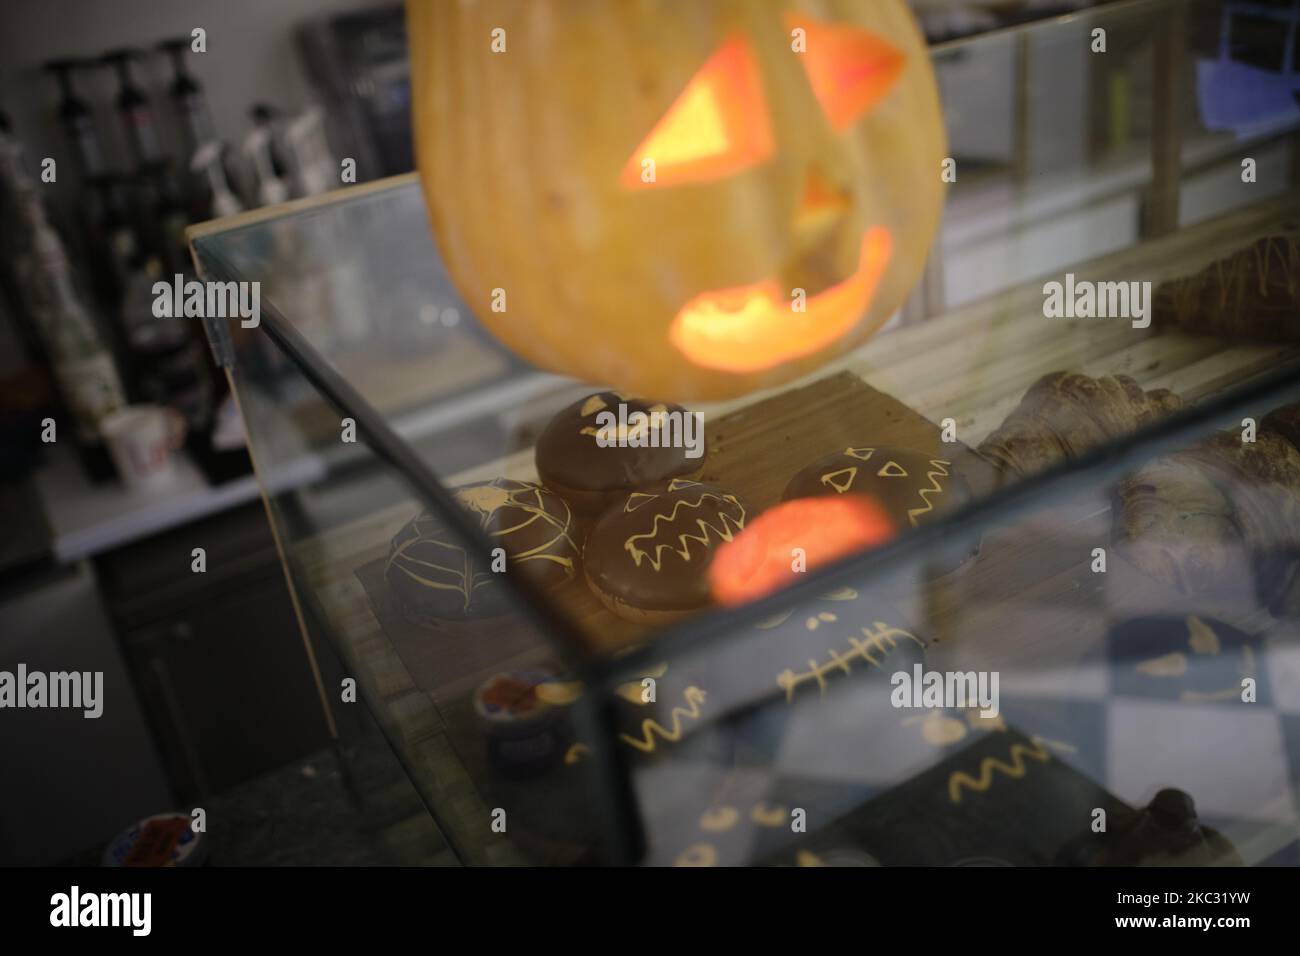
759	559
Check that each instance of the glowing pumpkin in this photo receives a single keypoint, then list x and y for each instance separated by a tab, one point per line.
687	200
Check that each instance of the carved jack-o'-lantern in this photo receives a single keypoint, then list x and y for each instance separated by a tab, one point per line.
687	199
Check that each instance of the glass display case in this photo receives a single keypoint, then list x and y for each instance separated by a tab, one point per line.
1078	646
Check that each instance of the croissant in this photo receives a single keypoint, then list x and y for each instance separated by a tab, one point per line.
1065	414
1253	294
1187	518
1284	421
1173	522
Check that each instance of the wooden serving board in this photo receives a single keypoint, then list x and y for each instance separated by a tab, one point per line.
752	452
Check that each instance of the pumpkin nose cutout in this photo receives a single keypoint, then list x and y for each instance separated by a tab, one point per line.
823	251
822	206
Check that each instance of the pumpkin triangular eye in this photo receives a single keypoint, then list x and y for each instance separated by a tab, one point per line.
635	500
850	69
841	480
718	124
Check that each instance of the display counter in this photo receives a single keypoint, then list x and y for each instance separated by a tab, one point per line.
1079	645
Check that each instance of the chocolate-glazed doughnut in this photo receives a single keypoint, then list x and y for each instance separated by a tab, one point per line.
590	476
436	579
647	557
911	487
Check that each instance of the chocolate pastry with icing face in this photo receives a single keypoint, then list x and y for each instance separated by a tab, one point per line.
436	579
647	556
590	476
911	487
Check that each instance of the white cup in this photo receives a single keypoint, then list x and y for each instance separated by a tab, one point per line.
141	439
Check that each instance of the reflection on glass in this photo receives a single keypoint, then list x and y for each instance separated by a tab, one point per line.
1112	639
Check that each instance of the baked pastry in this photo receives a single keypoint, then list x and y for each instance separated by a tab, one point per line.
1187	518
1284	421
572	463
1065	414
1167	832
910	486
508	705
1173	522
520	725
647	557
1253	294
436	579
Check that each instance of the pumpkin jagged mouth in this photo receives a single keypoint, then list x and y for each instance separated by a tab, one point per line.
754	327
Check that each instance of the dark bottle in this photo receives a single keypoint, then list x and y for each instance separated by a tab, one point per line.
116	237
204	162
136	113
168	361
77	120
188	100
160	210
164	216
265	155
166	366
96	204
219	199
